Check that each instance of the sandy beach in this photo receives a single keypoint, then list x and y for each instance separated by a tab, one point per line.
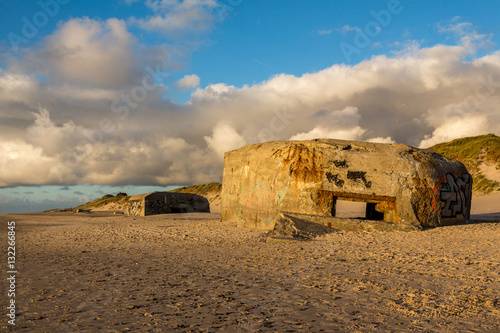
192	273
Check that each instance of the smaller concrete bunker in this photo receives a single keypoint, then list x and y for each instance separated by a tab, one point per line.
166	203
403	188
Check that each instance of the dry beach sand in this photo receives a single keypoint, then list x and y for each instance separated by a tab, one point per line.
191	273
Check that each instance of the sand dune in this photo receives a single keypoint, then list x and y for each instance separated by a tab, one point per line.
191	273
490	171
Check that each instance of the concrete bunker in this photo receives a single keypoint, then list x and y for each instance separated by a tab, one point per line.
166	203
402	187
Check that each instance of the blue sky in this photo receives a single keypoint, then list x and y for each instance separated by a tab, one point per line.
96	96
250	41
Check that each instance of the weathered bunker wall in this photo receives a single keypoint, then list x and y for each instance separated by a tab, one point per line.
166	203
399	183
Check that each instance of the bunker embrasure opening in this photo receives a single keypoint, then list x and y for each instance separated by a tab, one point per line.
362	206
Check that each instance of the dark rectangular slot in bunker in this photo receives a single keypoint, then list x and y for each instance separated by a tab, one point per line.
372	213
359	206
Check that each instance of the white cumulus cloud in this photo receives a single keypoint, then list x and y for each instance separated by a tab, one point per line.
53	133
342	124
224	138
188	82
179	16
381	140
89	52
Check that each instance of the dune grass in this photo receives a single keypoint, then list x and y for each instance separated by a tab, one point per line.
472	151
104	200
200	189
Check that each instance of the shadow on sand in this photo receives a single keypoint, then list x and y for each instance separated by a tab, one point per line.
485	218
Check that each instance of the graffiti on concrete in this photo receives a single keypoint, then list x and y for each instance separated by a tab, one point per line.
341	164
261	202
359	176
455	194
334	178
